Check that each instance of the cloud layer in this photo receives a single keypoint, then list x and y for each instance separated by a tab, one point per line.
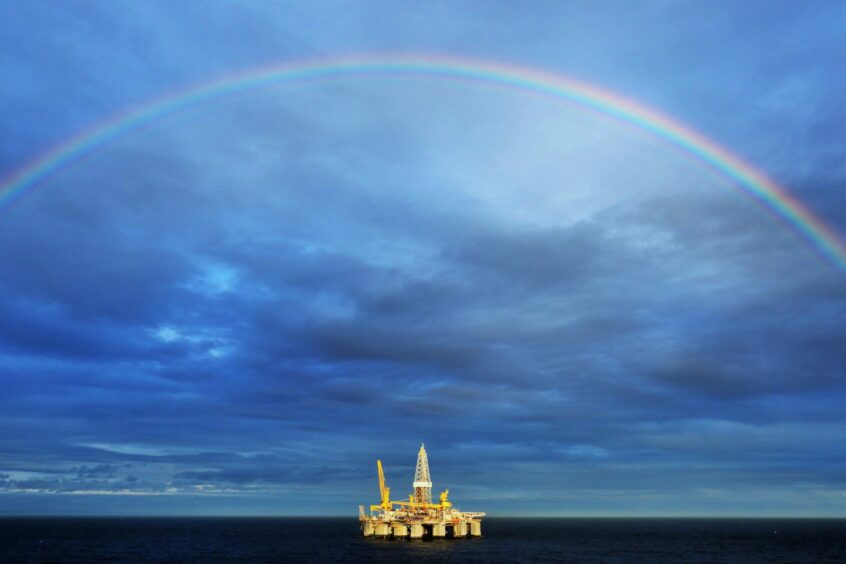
238	309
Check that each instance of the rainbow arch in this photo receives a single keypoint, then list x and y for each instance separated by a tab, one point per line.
750	180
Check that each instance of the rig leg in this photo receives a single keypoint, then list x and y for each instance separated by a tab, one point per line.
400	531
383	530
476	528
439	530
460	529
367	529
417	531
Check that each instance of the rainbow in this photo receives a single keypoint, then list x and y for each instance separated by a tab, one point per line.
743	175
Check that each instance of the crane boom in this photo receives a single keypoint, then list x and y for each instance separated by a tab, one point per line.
384	490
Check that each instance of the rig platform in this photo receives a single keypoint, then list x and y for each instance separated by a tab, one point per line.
419	517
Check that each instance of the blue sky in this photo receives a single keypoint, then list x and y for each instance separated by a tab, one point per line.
237	308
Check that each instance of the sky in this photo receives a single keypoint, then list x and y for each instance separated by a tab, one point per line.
236	307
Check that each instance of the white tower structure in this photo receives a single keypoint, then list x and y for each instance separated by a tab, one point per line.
422	479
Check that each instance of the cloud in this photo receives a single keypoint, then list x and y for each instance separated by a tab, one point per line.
264	293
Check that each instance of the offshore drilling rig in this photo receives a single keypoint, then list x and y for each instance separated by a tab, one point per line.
417	518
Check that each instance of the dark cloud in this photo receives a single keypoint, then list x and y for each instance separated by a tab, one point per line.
251	300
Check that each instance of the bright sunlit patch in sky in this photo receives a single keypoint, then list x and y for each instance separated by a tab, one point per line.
214	279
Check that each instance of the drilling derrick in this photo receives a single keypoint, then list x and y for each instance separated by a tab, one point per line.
422	479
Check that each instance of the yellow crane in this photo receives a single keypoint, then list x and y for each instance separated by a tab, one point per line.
384	491
445	503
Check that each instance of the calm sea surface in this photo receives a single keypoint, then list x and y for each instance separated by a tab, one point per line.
338	540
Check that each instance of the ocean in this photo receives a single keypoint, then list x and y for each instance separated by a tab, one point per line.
250	540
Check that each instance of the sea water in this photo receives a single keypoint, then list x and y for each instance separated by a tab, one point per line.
339	540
